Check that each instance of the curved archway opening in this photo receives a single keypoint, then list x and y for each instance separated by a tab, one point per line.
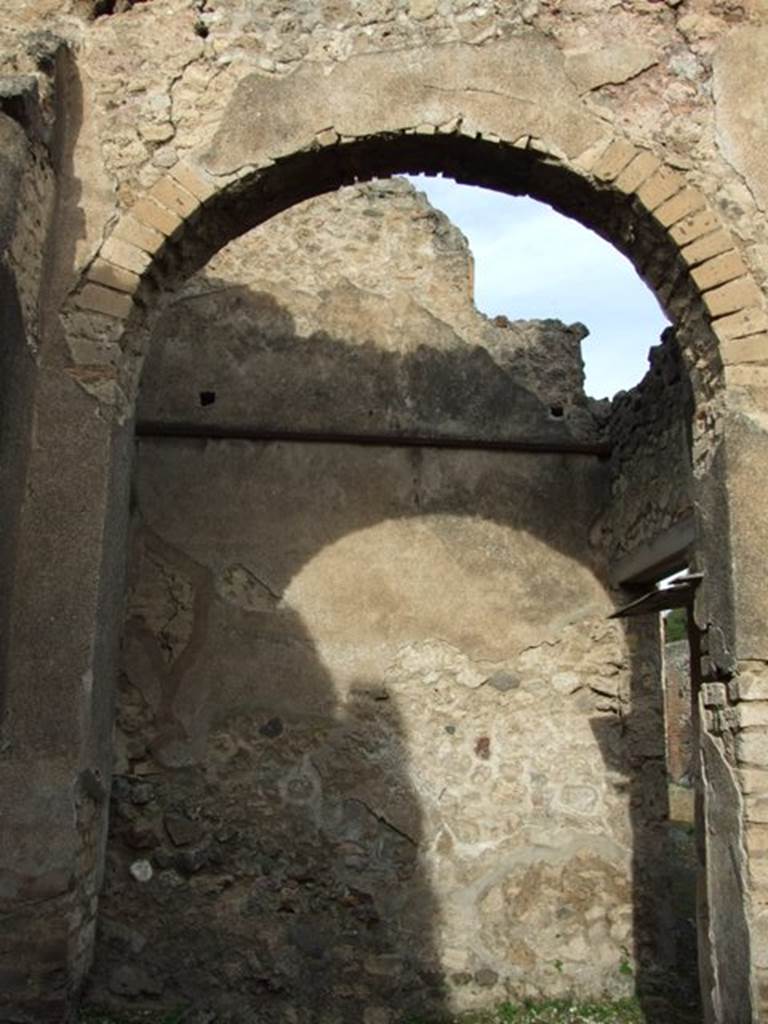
253	197
241	582
531	262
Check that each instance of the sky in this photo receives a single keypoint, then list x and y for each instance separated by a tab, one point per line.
531	262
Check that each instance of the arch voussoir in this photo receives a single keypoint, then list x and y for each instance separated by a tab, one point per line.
708	253
703	260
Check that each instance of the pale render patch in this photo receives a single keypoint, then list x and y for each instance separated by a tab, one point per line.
741	105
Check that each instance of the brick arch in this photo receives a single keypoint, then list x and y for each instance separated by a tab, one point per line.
628	195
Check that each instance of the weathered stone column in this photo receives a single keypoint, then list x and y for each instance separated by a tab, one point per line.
55	765
733	608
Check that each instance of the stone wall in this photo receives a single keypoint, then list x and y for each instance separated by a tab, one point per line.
16	352
369	282
651	460
681	752
645	120
369	736
648	63
379	749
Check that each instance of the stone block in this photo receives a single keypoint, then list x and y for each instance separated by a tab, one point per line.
613	160
104	300
752	747
688	229
753	780
713	695
718	270
756	841
756	808
758	874
742	324
194	181
739	294
751	713
122	280
157	217
660	187
141	235
125	255
327	138
750	376
637	171
705	248
170	194
687	201
753	349
749	687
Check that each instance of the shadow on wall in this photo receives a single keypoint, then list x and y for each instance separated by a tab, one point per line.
232	358
287	878
291	842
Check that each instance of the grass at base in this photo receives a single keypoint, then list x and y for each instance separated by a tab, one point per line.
546	1011
551	1011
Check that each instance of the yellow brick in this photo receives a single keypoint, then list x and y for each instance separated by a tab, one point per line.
688	201
150	213
613	160
173	197
753	376
131	230
718	270
102	272
741	324
753	780
705	248
125	255
638	171
104	300
193	181
757	840
753	349
738	294
690	228
659	187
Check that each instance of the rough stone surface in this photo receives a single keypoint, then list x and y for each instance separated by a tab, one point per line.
370	284
741	90
312	640
101	101
681	751
399	643
652	478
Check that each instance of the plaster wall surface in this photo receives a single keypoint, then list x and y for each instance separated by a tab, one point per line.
378	748
600	108
353	313
369	734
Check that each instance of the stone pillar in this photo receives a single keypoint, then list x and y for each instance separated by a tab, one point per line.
733	609
55	760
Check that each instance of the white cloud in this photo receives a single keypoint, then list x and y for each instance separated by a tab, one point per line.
532	262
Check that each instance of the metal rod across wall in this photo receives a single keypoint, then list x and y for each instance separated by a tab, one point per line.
204	432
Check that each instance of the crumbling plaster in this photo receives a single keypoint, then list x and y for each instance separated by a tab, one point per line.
650	162
341	661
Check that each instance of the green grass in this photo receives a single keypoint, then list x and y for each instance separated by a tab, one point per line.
527	1012
552	1011
539	1011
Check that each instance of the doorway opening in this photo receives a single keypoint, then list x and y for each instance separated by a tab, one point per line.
369	687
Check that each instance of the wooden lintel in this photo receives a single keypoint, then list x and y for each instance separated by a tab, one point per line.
666	553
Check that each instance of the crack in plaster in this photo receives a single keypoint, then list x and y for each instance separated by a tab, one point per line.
385	821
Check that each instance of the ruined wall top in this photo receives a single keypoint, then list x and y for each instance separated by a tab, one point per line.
683	77
353	313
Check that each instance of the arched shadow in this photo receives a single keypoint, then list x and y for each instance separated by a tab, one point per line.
268	895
